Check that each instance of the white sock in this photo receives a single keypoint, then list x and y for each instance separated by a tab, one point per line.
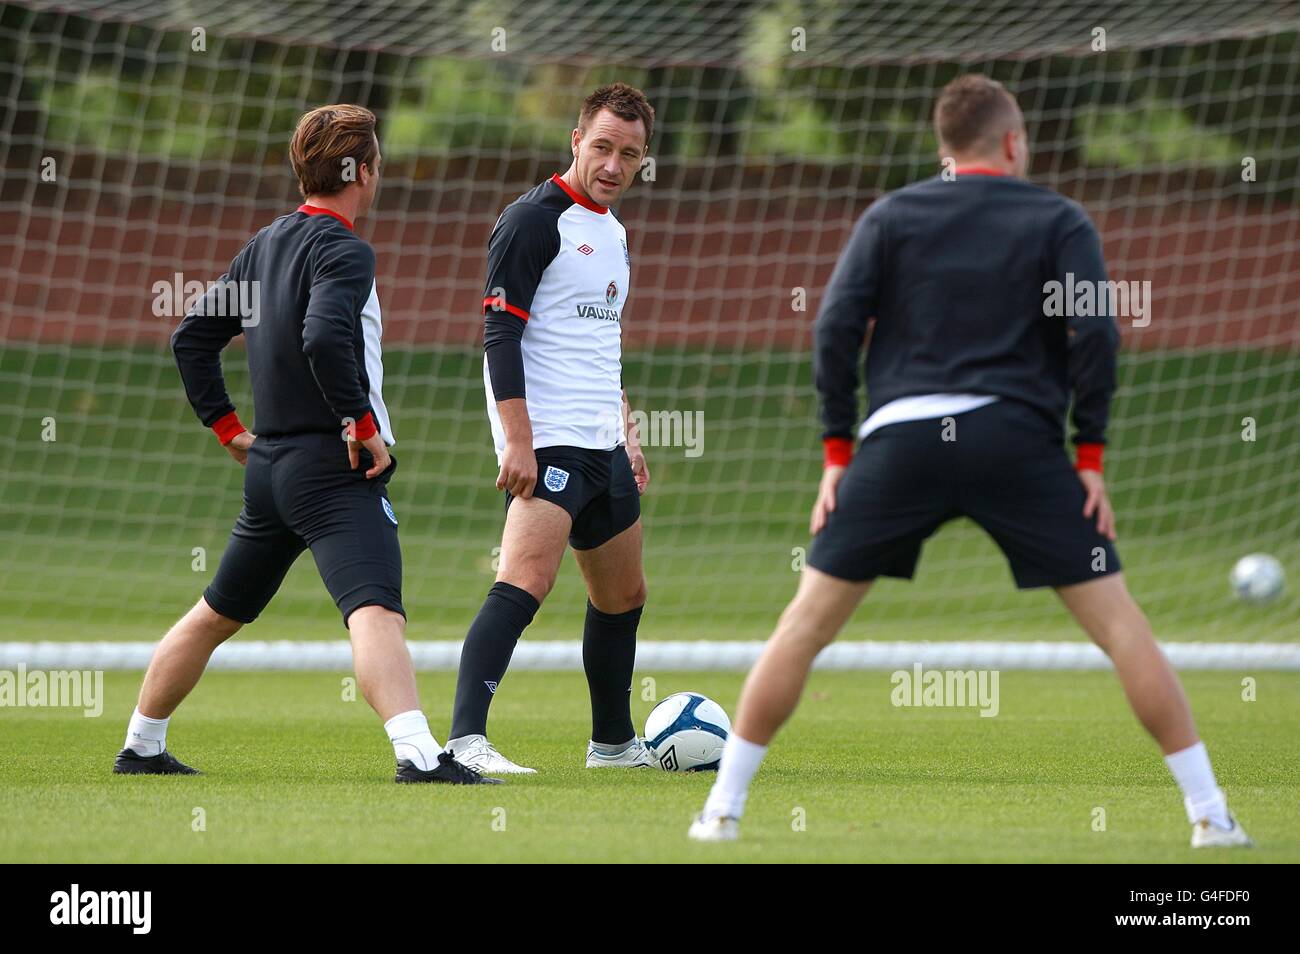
740	760
1201	794
412	740
145	736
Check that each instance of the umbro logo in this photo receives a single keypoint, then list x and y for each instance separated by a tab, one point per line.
492	686
585	249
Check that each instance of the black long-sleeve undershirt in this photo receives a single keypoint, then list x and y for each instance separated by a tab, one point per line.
503	344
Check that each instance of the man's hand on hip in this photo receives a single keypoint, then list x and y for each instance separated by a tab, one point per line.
378	449
825	504
239	445
1098	502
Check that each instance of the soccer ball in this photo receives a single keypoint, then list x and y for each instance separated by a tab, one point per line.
685	732
1257	578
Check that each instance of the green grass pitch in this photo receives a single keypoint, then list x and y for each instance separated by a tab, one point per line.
294	773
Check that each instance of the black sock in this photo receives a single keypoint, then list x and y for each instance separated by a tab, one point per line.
490	643
608	655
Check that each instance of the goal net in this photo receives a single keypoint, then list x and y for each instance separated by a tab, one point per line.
143	142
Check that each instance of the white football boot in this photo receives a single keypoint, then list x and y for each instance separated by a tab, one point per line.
635	755
1205	834
477	753
720	828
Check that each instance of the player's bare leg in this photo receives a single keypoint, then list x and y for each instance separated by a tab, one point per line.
173	672
809	624
1109	615
614	573
1114	621
819	610
386	676
181	657
616	592
532	547
382	661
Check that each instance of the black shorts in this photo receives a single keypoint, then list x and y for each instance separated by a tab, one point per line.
299	493
1007	470
595	487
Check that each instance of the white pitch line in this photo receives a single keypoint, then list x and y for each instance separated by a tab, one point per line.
667	656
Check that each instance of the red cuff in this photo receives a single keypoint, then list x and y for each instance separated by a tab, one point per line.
365	428
228	428
503	305
837	451
1088	457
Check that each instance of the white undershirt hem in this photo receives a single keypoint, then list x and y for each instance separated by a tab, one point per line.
922	407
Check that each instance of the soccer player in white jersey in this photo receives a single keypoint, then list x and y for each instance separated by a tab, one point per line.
570	465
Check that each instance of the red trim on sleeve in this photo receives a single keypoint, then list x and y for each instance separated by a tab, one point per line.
317	210
837	451
581	200
365	428
495	305
1088	457
228	428
977	171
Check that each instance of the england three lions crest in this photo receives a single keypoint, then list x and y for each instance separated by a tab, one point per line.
555	479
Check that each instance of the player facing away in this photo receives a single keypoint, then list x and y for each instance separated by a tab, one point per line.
571	465
313	356
953	272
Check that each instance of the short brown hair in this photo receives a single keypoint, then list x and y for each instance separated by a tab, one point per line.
972	111
323	139
625	102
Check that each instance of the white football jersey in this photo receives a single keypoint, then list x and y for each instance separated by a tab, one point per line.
560	263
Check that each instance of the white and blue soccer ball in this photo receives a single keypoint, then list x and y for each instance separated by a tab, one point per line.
685	732
1258	578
